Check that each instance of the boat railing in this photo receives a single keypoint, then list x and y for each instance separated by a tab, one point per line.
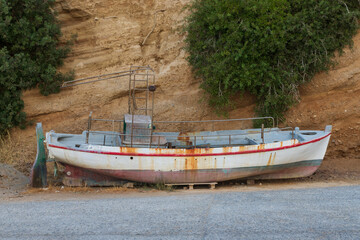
120	126
188	140
222	120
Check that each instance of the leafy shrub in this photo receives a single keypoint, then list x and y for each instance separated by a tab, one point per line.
29	55
265	47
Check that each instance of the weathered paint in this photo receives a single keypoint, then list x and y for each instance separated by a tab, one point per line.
38	171
300	169
200	164
172	152
86	177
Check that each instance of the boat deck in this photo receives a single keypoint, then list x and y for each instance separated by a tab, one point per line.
205	139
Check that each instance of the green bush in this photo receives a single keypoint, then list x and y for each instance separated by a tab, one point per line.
29	55
265	47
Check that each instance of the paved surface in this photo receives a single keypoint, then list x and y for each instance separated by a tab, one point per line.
322	213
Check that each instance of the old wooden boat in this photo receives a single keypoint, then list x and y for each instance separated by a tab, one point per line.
202	157
138	150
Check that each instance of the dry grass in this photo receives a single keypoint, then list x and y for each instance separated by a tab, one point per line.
65	189
9	149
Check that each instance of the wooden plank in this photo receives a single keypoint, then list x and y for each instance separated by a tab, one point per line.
191	185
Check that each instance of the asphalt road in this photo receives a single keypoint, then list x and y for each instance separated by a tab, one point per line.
319	213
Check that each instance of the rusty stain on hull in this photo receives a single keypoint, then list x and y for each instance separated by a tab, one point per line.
191	163
269	161
199	176
273	161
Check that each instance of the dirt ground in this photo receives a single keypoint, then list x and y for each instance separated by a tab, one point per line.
14	185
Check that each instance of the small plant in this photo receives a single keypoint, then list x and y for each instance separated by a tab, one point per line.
163	187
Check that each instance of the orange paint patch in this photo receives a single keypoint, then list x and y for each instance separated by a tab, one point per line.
269	161
273	160
128	150
191	163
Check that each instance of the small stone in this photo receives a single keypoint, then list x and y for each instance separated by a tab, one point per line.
129	185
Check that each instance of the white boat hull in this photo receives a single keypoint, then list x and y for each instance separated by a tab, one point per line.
286	159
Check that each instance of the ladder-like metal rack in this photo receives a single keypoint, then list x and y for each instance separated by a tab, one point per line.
141	98
141	101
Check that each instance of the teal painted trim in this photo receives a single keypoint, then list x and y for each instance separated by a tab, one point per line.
38	170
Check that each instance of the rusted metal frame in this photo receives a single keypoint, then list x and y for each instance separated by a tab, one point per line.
65	84
113	130
129	99
262	133
201	136
147	91
106	120
289	128
174	136
88	129
132	90
132	130
139	68
144	74
286	128
104	76
99	76
152	110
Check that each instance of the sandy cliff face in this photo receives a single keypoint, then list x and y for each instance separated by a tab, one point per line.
113	34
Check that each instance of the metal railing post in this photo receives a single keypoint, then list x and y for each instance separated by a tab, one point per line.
88	129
